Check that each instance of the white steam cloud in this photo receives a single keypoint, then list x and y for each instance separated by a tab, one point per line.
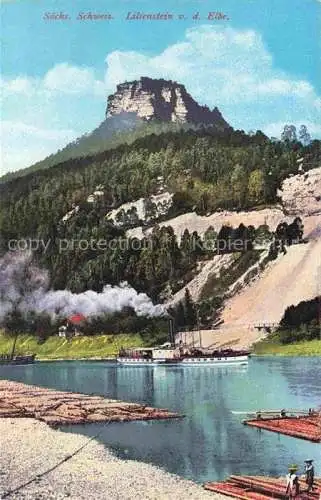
25	287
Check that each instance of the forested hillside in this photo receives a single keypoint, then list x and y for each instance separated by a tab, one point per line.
125	128
205	170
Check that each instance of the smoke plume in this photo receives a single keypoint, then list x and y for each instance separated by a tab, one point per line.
25	287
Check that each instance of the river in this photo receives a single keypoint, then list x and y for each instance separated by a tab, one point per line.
210	442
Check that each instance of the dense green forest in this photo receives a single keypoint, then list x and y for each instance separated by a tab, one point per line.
205	170
301	322
159	265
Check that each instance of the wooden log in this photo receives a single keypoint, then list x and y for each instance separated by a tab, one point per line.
257	487
301	427
60	408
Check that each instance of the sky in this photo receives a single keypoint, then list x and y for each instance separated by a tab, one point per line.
260	65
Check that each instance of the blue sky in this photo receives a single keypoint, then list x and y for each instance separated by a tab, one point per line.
261	67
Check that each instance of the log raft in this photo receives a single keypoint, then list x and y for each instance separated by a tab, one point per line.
58	408
300	425
259	488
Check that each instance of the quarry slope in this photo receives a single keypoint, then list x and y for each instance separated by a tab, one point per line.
288	280
206	269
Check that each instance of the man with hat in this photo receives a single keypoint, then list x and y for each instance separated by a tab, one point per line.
292	482
309	474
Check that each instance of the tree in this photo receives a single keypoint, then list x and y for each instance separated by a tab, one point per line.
181	202
132	216
242	238
263	233
304	135
180	315
295	231
186	248
197	244
289	133
203	204
190	310
14	321
273	252
150	209
239	184
185	244
120	217
223	242
209	240
256	186
281	232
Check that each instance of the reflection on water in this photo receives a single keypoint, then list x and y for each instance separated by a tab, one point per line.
210	442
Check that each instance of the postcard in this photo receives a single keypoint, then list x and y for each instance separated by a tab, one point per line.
160	249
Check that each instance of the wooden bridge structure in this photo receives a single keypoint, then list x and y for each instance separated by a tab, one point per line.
266	326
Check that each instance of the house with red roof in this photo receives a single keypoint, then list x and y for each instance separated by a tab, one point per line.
73	327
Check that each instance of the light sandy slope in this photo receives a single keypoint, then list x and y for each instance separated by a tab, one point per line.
161	201
209	268
199	223
286	281
290	279
193	222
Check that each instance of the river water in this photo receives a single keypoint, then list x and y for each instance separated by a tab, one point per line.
210	442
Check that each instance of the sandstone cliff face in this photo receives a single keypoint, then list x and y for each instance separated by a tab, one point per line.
163	100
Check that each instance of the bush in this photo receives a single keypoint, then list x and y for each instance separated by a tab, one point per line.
273	252
182	202
301	322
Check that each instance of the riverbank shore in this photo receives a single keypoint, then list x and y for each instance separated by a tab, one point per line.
56	348
270	348
106	347
29	448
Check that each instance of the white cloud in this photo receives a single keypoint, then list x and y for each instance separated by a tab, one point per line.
279	86
19	85
73	80
227	68
44	114
219	66
9	127
62	78
210	59
317	102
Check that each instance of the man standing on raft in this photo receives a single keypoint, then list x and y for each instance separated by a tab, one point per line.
309	474
292	482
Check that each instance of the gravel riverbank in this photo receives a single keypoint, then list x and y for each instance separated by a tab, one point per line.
28	448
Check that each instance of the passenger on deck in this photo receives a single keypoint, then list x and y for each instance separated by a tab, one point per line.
309	474
292	483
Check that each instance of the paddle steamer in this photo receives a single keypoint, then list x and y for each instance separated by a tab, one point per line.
170	355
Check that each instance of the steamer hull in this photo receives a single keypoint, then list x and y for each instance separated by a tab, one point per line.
170	357
208	361
17	360
146	362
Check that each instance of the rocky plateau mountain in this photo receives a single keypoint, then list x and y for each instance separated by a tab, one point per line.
162	100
